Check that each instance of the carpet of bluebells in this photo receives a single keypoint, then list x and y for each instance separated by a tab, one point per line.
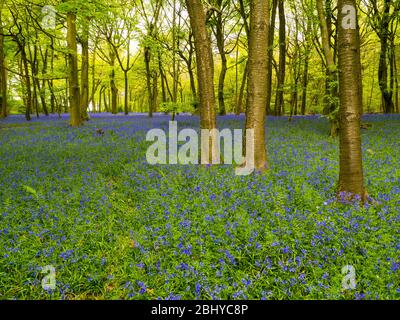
115	227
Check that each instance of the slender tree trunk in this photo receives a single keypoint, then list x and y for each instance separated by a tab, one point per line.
270	56
74	94
190	71
42	87
3	73
147	60
162	76
351	179
306	68
84	102
258	79
220	36
126	100
387	94
239	105
396	81
279	101
304	86
113	86
34	69
331	79
27	80
100	98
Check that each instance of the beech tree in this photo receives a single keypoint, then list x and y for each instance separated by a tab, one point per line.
257	82
205	69
351	179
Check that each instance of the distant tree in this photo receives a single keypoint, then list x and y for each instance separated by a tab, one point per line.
3	70
74	89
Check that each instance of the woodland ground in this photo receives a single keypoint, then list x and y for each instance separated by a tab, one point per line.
115	227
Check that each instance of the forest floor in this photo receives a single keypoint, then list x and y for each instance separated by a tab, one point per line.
115	227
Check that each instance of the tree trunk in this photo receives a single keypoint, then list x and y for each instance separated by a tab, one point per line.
279	101
396	81
387	94
239	105
27	83
3	73
270	55
351	179
84	102
147	60
126	101
258	79
162	76
113	86
205	71
205	64
220	36
74	94
42	88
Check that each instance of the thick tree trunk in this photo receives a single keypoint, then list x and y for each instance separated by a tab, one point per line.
351	179
258	79
205	69
205	75
74	94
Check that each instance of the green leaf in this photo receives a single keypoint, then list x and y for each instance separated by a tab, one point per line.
30	190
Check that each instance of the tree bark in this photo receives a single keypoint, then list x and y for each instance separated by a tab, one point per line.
113	86
84	102
220	37
270	55
331	70
279	101
205	76
28	87
258	79
74	94
351	179
205	64
3	73
387	93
